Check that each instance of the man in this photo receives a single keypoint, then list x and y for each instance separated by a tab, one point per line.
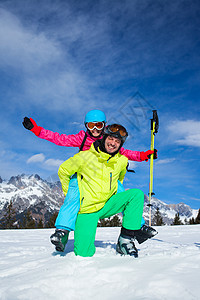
98	171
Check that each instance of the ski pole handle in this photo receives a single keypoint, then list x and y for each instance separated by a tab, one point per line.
155	121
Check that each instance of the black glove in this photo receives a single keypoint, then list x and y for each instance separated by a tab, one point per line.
27	123
155	154
147	154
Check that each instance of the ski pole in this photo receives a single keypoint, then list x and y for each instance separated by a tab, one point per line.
154	130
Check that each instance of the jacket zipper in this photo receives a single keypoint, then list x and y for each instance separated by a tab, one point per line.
110	179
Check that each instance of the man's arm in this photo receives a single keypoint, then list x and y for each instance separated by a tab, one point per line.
67	169
123	172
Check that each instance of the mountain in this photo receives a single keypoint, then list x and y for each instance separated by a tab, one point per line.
44	198
168	211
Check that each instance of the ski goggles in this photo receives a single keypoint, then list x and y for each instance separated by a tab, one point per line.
117	131
93	125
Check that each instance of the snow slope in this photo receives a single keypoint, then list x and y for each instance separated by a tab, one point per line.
168	267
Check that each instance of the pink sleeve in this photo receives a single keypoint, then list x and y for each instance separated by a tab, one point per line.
131	155
72	140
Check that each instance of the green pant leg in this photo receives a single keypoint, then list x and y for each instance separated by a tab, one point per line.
131	203
84	235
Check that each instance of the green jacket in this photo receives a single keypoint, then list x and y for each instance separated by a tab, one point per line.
97	174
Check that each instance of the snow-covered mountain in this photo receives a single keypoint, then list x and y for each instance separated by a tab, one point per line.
168	211
43	198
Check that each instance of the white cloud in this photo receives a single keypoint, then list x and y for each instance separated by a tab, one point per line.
131	165
164	161
76	123
49	163
186	133
37	158
47	71
53	162
195	199
190	140
23	48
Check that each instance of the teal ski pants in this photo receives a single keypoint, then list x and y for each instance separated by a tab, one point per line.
129	202
67	215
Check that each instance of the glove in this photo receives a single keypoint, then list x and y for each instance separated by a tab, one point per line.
31	125
146	155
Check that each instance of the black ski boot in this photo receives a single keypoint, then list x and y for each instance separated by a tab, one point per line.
126	246
59	239
145	233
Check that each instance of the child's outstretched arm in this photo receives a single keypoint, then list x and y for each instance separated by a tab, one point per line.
130	154
138	155
72	140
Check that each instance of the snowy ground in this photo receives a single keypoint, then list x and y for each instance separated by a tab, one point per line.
168	267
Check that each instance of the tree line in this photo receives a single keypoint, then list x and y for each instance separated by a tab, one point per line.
28	222
158	220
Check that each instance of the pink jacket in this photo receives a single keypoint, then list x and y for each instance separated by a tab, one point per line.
75	140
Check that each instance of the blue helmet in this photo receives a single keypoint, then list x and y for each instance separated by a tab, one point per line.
95	116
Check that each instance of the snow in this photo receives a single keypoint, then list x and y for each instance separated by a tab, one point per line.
168	267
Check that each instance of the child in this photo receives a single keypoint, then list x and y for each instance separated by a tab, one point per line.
95	121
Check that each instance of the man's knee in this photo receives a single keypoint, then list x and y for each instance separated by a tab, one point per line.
140	194
136	194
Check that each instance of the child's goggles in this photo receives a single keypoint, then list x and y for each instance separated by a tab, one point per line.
93	125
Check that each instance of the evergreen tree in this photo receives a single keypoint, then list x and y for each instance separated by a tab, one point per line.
9	217
52	220
115	221
40	224
22	223
157	218
191	221
177	220
28	222
103	223
197	220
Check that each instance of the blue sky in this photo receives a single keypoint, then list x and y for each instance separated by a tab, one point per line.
60	59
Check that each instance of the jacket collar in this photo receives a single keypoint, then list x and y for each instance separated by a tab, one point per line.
102	155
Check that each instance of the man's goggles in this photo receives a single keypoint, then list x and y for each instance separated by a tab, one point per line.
117	131
93	125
